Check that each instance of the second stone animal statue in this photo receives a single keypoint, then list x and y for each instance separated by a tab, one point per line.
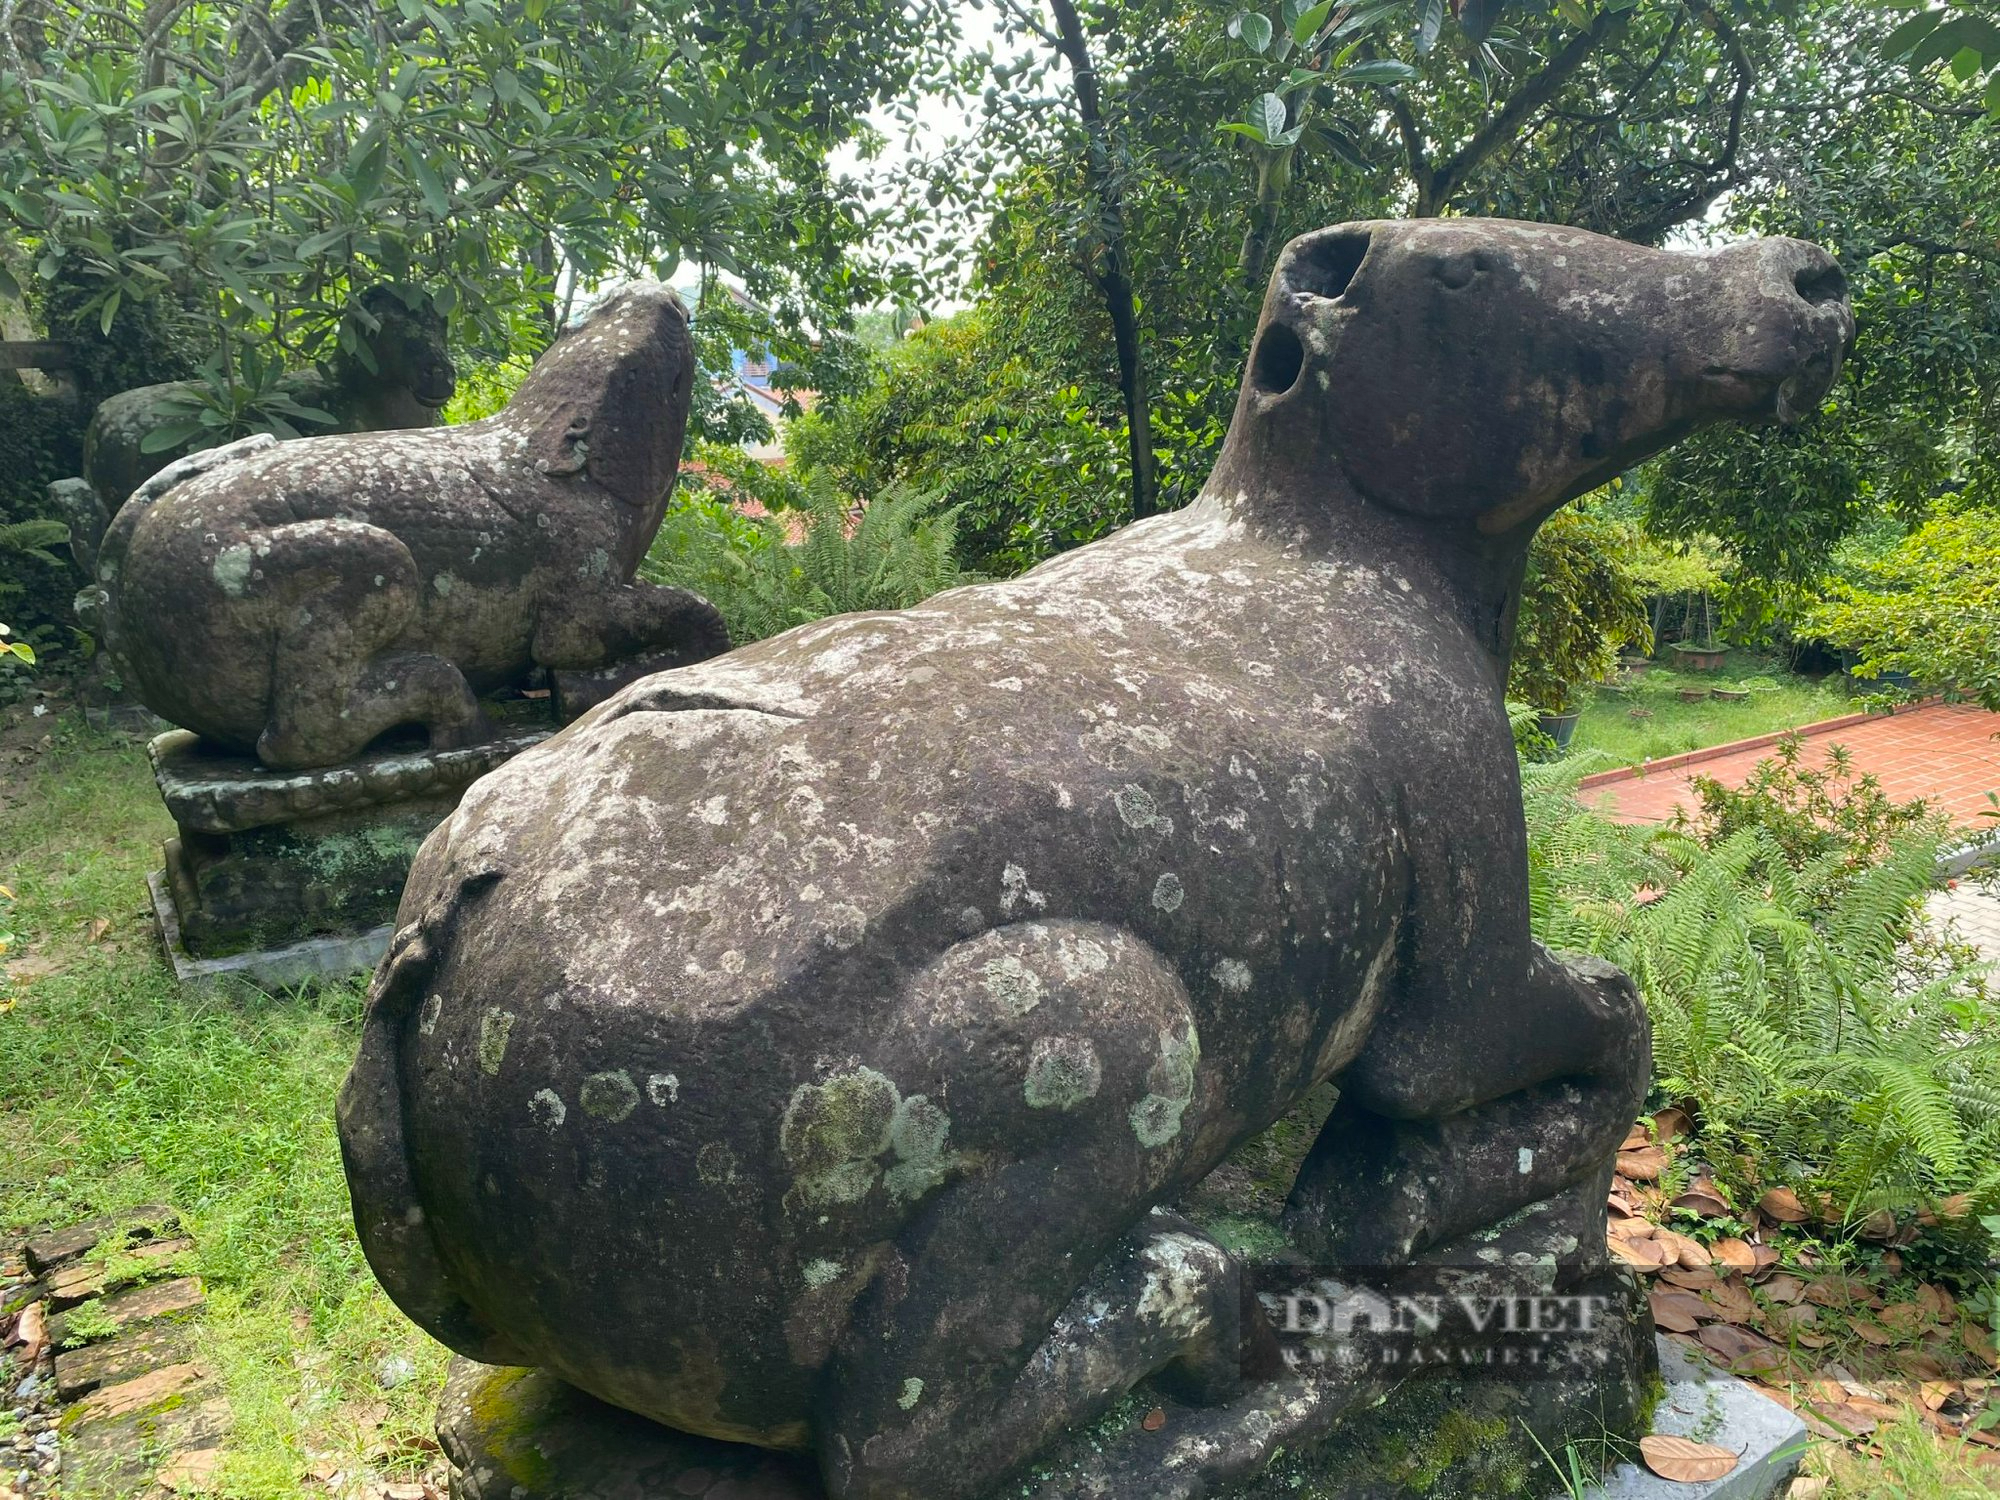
298	600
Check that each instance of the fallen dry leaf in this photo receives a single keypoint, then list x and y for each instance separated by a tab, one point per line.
1685	1461
95	933
1644	1255
1880	1226
1918	1365
1644	1165
1638	1138
1678	1311
1734	1346
1736	1254
1698	1280
1873	1332
1701	1198
1806	1487
31	1332
1783	1290
1934	1393
1836	1292
1845	1422
1154	1420
1782	1204
1734	1301
1671	1123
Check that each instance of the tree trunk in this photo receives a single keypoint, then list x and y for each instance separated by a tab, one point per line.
1113	269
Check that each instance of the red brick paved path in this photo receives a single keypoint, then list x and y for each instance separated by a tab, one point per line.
1945	753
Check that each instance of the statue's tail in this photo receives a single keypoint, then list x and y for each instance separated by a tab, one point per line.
394	1230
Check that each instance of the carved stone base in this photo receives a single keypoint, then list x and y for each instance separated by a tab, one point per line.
297	866
524	1435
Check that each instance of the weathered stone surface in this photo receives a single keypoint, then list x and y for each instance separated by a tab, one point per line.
795	1049
140	1304
74	1283
145	1222
211	792
411	380
148	1347
266	859
297	601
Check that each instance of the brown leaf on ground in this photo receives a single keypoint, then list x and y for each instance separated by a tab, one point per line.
1701	1198
1641	1254
1837	1292
1943	1306
1733	1300
1678	1311
1978	1343
1783	1290
1782	1204
1620	1205
96	931
1638	1138
1880	1226
1740	1349
32	1333
1935	1393
1685	1461
1807	1487
1690	1254
1699	1280
1846	1422
1918	1365
1766	1261
1154	1420
1671	1123
1903	1317
1873	1332
1736	1254
1644	1165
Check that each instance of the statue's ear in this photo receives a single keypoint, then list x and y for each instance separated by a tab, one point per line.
559	443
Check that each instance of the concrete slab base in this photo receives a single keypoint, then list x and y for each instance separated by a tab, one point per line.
1711	1406
309	961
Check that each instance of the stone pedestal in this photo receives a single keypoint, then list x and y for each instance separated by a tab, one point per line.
516	1434
277	877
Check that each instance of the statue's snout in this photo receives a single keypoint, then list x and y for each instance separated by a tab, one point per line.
1784	325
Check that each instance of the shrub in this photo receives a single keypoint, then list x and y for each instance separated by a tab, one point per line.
1822	1035
899	551
1929	607
1022	457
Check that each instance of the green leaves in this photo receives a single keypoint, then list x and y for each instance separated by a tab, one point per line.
1264	122
1968	42
1252	28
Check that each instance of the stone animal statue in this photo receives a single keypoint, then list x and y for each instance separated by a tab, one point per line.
410	381
795	1049
299	599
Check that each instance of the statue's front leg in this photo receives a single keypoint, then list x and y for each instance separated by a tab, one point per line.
662	626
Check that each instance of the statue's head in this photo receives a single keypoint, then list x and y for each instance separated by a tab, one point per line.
609	399
406	340
1486	371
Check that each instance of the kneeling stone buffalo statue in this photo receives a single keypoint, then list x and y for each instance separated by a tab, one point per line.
298	600
795	1049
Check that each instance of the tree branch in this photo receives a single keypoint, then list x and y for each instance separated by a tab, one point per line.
1501	127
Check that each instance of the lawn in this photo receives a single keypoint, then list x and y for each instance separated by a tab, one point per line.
1645	719
122	1089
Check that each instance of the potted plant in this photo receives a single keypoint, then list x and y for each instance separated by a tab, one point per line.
1699	656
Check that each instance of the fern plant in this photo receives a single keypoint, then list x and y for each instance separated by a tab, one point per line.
897	552
1825	1036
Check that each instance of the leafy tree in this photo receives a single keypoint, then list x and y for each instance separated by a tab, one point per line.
1930	608
251	166
1020	455
1895	178
1580	604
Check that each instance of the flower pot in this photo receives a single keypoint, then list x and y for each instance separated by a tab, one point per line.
1694	695
1730	695
1560	727
1634	665
1691	656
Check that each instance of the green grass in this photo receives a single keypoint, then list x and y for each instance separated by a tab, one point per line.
120	1088
1649	721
